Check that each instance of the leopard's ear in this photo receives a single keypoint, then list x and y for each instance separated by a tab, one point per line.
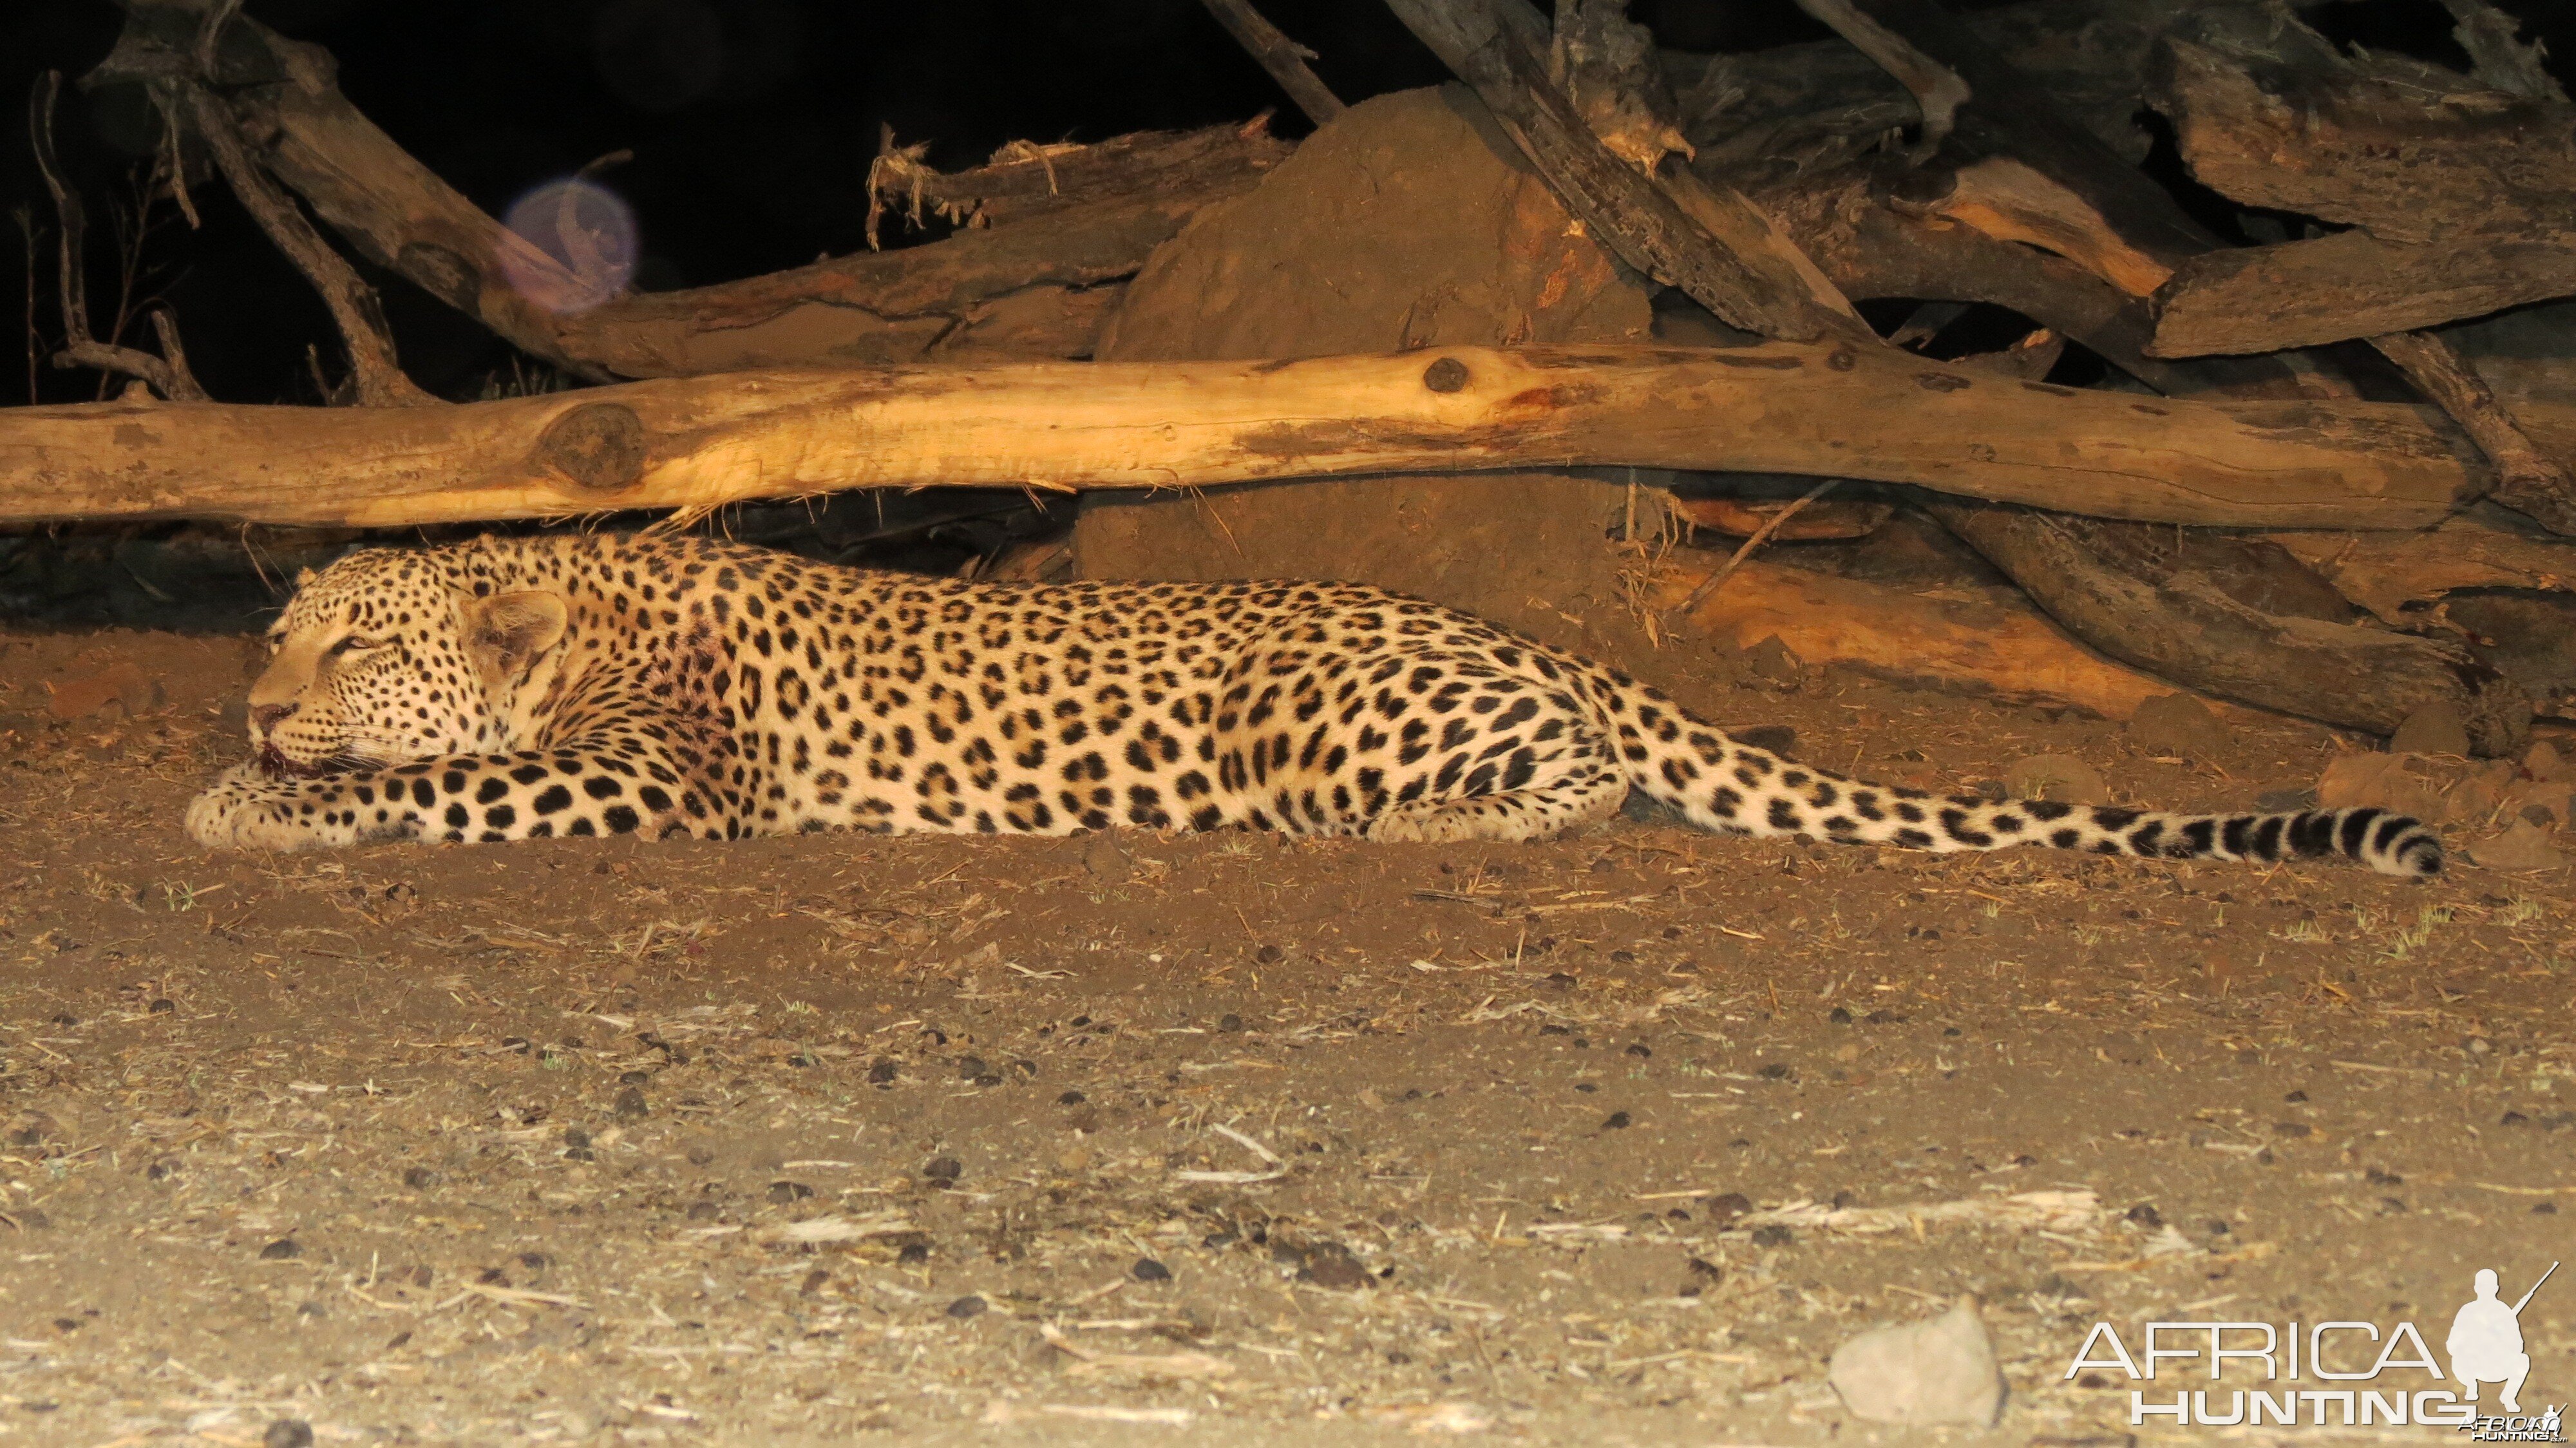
508	631
303	576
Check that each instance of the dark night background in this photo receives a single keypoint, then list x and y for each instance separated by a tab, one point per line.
752	123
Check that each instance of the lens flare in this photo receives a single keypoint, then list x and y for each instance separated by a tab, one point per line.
580	245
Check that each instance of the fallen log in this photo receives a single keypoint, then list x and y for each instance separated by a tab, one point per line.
1994	645
695	443
2182	627
2283	119
2352	284
2398	577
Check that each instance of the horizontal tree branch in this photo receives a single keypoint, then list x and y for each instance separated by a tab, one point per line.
2351	284
1813	409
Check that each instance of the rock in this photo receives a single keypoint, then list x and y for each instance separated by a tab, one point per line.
123	683
287	1433
2524	847
1938	1370
2542	762
2388	781
2436	728
1410	221
2059	777
2177	724
1105	860
1772	663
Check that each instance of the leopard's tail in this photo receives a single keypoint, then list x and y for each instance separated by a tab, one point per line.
1721	783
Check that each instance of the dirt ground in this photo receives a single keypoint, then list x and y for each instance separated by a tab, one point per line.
1222	1138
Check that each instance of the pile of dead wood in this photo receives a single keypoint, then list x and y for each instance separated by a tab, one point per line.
2266	415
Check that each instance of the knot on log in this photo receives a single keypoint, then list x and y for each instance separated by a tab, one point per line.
599	445
1446	375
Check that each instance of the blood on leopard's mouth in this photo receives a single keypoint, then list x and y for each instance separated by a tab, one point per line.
274	763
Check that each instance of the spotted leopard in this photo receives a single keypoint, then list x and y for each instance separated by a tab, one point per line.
510	689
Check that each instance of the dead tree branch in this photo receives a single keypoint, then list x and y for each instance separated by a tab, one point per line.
1817	410
166	374
2183	628
1274	52
1708	242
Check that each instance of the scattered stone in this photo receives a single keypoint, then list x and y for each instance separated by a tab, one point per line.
162	1006
1774	1235
783	1192
944	1169
1332	1265
913	1254
1149	1270
2059	777
2409	784
287	1433
284	1249
966	1307
1104	860
630	1105
2436	728
122	683
2526	846
1938	1370
881	1072
1724	1208
1071	1098
419	1178
2144	1214
813	1283
2177	724
1617	1121
1773	663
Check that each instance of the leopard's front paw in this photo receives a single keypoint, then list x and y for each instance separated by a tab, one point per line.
241	811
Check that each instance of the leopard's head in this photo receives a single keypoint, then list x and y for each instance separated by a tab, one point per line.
382	658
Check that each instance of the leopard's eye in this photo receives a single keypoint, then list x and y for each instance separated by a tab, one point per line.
353	644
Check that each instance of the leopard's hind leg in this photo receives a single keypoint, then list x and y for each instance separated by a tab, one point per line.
1583	788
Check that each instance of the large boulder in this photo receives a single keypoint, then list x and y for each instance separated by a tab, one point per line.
1409	221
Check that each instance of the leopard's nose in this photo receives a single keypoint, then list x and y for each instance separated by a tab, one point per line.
264	717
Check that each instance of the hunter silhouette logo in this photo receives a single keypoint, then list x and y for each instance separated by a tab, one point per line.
2486	1340
2364	1374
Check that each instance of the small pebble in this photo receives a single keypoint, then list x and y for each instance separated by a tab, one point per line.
784	1192
630	1104
881	1071
913	1254
1269	955
1071	1098
1617	1121
1149	1270
284	1249
966	1307
945	1169
1774	1235
419	1178
1229	1022
163	1006
2145	1215
1938	1370
287	1433
1725	1207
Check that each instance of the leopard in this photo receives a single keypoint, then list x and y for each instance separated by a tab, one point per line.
508	688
